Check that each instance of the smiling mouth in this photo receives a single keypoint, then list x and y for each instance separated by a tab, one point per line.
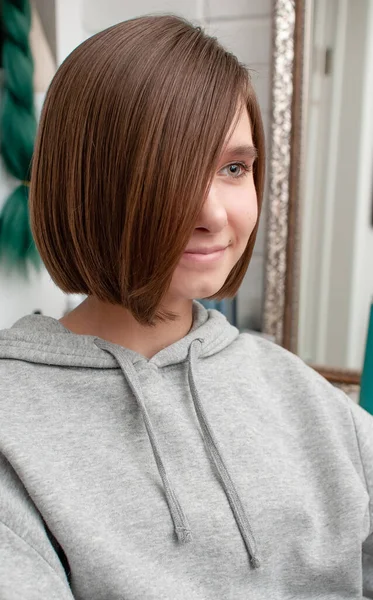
201	250
205	255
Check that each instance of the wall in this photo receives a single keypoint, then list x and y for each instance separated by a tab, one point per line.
244	26
47	12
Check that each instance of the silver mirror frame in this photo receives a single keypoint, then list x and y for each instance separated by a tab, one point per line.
290	35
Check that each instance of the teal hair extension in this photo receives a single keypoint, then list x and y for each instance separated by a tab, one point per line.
18	129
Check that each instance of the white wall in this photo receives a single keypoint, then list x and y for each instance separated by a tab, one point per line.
47	12
244	26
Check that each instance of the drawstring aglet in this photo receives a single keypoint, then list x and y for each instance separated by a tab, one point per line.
184	535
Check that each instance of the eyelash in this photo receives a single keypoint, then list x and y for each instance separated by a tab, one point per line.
246	169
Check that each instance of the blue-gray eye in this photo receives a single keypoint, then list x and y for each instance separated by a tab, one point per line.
236	170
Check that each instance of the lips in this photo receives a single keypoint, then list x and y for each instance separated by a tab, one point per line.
211	250
203	257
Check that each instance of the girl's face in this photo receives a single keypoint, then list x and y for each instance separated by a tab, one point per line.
225	223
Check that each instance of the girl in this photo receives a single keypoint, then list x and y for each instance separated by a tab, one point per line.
149	450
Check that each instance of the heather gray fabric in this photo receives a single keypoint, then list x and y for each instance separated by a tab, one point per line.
222	468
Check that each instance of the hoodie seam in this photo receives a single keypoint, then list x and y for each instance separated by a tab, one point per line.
363	467
34	550
46	350
216	342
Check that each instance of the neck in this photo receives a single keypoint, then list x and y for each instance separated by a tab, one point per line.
117	325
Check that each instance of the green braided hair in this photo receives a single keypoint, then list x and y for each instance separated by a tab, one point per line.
18	129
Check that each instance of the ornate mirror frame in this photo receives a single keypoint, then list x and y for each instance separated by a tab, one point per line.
290	35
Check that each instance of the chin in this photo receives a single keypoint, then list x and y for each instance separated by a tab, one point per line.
189	286
203	291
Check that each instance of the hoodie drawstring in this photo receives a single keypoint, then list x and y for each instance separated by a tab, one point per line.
212	445
181	525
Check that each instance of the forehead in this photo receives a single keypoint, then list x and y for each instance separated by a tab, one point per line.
240	130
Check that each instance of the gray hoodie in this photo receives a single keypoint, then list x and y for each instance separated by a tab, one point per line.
222	468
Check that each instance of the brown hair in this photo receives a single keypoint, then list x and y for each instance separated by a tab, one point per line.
131	130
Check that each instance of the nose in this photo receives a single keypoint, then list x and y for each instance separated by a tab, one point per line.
213	216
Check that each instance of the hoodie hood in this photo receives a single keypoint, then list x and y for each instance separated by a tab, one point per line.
39	339
44	340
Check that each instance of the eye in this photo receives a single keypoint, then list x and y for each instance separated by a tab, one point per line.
236	170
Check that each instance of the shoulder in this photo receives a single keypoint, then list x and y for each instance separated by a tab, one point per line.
300	399
282	378
17	382
14	371
271	360
23	385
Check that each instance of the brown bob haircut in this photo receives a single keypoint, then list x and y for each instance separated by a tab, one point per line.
131	131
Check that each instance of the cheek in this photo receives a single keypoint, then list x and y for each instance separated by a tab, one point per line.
243	212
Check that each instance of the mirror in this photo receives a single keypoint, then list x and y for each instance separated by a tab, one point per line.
319	276
336	232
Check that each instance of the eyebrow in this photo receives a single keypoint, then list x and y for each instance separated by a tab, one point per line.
243	151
